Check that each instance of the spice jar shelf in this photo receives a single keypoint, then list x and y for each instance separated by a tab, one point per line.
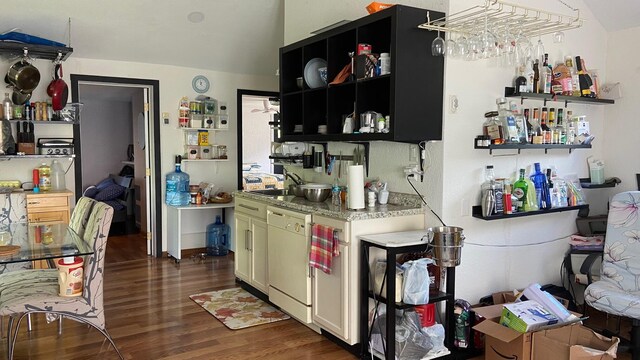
476	212
510	93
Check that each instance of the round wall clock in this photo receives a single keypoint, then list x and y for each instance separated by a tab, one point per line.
200	84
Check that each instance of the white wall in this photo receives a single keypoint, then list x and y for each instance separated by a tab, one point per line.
175	82
109	131
502	254
622	125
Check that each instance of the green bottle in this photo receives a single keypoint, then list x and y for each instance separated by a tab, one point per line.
520	191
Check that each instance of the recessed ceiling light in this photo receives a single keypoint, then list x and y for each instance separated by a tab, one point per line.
195	17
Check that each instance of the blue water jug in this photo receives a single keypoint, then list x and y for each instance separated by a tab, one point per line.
218	238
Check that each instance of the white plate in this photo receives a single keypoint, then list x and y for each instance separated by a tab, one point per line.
311	74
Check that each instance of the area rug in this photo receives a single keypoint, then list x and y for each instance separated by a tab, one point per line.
237	309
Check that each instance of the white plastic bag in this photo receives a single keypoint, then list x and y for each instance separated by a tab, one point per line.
416	282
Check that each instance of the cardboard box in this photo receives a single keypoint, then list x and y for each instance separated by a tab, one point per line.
526	316
574	342
502	342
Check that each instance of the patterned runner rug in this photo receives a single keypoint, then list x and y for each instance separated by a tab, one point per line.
237	309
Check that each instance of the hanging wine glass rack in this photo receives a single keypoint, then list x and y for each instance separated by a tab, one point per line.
502	16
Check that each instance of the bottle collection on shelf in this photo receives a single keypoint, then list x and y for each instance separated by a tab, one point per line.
203	113
539	191
543	125
567	78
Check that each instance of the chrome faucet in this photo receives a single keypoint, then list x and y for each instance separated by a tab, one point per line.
297	180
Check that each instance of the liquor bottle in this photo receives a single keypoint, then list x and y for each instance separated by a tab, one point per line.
551	123
583	79
492	193
527	113
536	77
508	121
546	131
492	127
521	123
559	129
575	82
537	137
529	74
542	187
571	128
177	193
520	84
546	76
520	188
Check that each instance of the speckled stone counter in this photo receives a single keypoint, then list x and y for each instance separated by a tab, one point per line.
399	205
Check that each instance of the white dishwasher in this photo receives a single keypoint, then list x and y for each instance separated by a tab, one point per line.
289	235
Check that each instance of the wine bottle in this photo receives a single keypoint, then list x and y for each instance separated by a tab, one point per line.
592	80
583	79
546	79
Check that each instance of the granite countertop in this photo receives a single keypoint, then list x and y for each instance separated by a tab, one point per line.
399	205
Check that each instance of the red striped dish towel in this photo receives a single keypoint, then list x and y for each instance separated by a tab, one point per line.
324	246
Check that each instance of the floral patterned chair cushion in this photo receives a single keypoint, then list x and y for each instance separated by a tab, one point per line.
618	291
34	297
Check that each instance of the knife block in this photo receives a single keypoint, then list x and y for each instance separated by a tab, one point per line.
27	148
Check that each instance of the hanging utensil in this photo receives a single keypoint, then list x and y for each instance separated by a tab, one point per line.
23	76
19	97
58	90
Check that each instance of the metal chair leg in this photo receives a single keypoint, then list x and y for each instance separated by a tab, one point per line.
60	324
29	327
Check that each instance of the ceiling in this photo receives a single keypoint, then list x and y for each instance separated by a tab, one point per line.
615	15
234	36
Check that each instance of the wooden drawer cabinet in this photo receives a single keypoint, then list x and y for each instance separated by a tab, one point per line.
51	207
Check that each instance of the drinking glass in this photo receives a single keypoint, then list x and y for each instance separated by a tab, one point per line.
538	51
462	47
438	47
558	37
451	45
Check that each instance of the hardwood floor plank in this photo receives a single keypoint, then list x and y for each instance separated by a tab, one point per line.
150	316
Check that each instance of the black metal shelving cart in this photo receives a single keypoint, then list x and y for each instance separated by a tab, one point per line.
395	244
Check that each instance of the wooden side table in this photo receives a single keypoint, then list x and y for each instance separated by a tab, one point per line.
51	207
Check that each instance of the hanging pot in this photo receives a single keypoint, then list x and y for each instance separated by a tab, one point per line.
20	98
23	76
58	90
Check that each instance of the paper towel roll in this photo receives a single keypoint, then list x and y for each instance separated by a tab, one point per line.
355	181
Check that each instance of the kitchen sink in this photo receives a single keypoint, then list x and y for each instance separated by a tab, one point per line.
270	192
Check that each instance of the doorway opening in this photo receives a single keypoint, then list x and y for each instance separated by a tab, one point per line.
118	137
258	123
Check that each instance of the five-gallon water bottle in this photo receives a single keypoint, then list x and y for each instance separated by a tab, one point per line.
57	176
177	192
218	238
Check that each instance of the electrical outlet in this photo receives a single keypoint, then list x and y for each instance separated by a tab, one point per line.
453	104
165	117
413	153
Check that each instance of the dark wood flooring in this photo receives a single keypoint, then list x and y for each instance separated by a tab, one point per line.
150	316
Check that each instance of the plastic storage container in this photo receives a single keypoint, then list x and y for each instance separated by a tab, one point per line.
218	238
58	181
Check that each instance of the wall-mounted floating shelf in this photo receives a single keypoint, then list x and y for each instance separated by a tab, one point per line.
519	147
476	212
510	93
